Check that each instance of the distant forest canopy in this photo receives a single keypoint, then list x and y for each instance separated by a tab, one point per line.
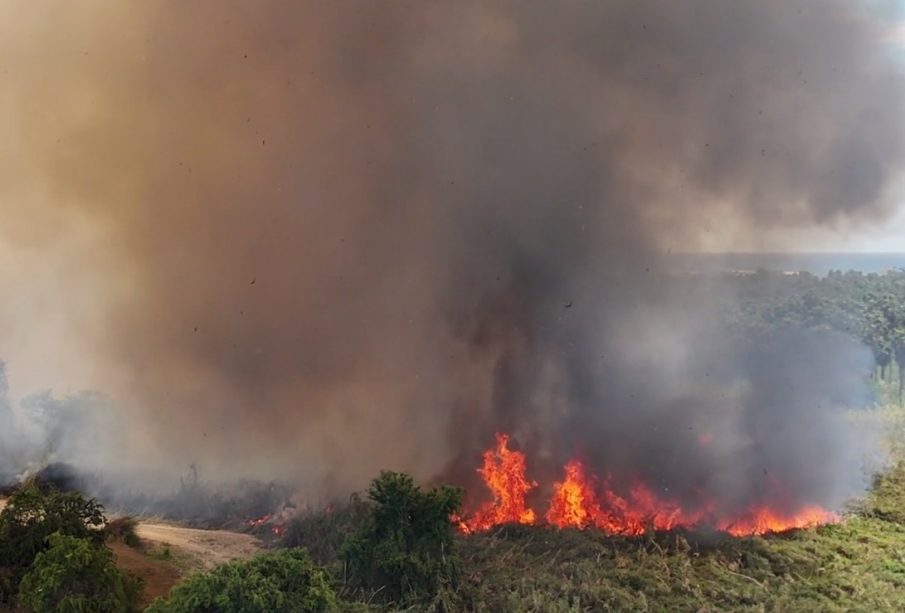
869	307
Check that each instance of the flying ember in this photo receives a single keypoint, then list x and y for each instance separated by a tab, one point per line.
579	501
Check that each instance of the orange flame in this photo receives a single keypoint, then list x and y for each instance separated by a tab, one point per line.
763	520
578	503
574	502
504	473
256	523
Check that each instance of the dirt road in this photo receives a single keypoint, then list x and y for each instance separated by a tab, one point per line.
206	547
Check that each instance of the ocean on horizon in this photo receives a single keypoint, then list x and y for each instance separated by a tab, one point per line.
814	263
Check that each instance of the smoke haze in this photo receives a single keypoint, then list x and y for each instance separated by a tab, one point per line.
309	240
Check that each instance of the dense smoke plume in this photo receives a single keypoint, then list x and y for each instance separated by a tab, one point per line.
308	240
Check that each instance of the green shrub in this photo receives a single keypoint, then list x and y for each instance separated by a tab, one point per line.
286	580
30	517
404	551
76	575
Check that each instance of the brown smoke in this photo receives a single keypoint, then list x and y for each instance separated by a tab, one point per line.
309	240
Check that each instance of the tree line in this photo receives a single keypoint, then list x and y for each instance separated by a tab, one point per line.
869	308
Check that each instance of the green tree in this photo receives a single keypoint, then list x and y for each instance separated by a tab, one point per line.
285	581
30	517
75	575
404	550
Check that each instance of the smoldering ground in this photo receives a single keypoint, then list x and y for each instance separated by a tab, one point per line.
306	240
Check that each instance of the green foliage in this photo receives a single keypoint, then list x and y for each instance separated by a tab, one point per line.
76	575
280	581
30	517
404	551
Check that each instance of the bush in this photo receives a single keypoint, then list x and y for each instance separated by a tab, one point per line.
122	529
30	517
404	550
323	533
280	581
77	575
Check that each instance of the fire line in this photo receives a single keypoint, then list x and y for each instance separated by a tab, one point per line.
580	501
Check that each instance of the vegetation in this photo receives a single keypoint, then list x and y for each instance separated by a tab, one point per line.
323	533
53	558
403	552
122	529
856	565
286	580
31	516
869	308
74	574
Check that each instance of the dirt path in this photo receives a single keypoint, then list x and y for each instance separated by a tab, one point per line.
207	548
169	553
159	576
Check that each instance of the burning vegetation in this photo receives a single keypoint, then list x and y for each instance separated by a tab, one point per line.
581	500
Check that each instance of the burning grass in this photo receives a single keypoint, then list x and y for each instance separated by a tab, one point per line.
855	564
581	500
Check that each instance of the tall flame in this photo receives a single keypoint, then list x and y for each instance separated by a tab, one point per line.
578	502
574	502
504	473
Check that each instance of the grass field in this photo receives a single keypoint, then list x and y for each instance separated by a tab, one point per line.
856	565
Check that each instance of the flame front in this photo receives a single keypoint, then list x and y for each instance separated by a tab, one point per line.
504	473
578	502
763	520
574	502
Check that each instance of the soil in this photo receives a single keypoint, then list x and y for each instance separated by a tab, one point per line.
206	548
159	576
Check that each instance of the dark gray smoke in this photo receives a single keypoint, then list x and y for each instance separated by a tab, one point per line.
322	238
